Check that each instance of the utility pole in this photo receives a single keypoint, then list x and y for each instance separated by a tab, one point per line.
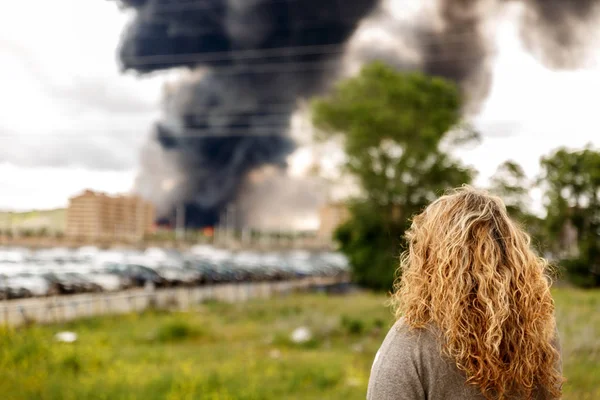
139	224
246	237
230	225
180	222
220	229
280	238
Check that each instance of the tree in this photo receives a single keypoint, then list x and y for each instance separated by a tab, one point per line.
395	128
512	185
571	183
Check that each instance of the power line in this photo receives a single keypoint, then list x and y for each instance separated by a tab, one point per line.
166	9
227	132
309	66
235	130
201	4
265	130
264	53
266	68
235	55
242	133
296	66
284	51
304	24
241	112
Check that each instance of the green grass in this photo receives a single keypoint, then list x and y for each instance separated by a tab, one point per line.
54	220
244	351
578	319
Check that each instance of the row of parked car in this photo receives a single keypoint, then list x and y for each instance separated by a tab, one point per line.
25	273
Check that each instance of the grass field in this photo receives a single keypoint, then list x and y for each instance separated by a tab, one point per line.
244	351
52	220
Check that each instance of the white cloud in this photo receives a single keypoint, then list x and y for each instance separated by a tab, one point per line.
44	187
66	103
532	110
70	119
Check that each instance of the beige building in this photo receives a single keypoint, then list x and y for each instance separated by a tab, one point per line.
331	216
98	216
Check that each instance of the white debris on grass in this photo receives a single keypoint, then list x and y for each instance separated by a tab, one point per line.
357	348
269	339
275	354
65	337
353	382
301	335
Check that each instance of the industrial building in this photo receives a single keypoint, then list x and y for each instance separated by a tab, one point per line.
98	216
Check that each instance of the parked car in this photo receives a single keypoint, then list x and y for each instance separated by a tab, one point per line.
27	283
139	275
26	273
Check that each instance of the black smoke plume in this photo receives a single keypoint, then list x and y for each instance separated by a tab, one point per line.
256	59
252	60
557	32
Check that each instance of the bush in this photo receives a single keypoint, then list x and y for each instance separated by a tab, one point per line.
580	273
379	323
176	331
372	245
352	326
71	363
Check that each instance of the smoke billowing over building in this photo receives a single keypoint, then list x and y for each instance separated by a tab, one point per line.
251	61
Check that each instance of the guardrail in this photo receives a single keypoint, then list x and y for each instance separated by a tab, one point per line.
46	310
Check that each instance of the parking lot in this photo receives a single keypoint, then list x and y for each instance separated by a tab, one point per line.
60	271
56	285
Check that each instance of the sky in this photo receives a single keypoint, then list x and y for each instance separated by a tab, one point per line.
71	120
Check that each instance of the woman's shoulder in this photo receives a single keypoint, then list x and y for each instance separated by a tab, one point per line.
405	345
422	339
410	362
395	372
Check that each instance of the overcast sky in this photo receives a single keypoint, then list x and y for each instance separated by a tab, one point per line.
70	120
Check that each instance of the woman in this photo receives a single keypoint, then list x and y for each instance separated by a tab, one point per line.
475	318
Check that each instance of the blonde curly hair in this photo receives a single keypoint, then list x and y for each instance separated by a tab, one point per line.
469	272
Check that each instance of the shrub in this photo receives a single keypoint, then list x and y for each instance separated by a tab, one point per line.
71	363
352	326
176	331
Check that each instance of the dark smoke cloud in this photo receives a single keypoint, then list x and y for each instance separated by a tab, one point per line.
456	42
449	42
557	31
232	116
220	145
459	50
254	59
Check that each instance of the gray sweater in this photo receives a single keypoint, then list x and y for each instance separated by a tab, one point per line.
409	366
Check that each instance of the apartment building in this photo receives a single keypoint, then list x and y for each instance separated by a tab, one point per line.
98	216
331	216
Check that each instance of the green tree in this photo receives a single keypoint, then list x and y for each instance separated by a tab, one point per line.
395	128
512	185
571	183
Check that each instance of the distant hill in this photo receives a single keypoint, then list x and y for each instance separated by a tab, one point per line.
36	220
